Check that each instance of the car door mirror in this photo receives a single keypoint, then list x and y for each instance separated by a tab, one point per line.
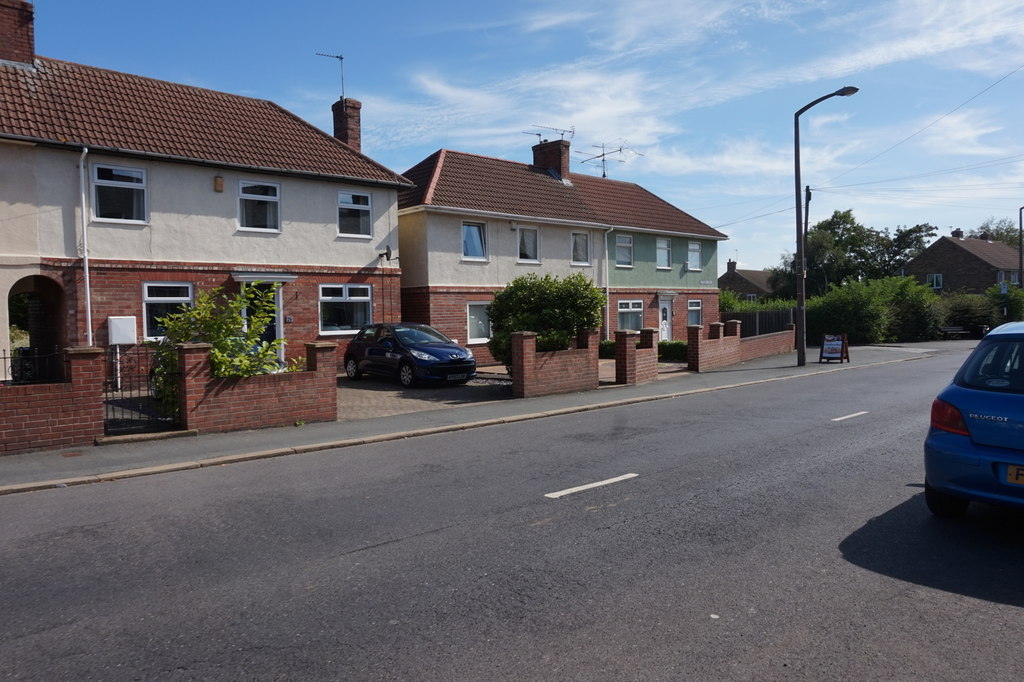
387	343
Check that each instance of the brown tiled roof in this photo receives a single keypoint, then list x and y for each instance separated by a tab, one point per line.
66	103
758	278
997	254
451	179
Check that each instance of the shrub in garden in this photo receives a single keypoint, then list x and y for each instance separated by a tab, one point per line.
556	309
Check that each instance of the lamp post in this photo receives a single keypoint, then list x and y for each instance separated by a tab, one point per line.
1020	248
801	293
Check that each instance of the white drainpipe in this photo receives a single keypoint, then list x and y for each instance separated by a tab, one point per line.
607	290
85	247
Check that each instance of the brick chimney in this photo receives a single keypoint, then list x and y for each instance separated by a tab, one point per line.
730	266
17	32
347	127
552	156
957	234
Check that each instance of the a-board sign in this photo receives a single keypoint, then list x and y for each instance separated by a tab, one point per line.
834	347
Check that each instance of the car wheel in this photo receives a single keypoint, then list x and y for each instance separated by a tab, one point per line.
944	505
352	369
406	375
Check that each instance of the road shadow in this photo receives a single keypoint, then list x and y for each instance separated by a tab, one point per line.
978	556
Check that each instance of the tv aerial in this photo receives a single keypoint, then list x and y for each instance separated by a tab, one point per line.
341	66
607	153
561	132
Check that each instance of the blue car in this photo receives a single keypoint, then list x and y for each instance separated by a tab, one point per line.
411	352
974	451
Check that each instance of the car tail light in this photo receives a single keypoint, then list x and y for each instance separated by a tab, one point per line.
948	418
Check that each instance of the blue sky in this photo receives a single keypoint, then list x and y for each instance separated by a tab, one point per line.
698	94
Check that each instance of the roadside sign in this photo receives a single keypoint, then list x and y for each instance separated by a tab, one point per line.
834	347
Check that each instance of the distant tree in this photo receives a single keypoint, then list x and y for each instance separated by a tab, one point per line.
841	250
998	230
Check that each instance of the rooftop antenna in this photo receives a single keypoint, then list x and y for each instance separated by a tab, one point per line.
605	153
562	132
341	66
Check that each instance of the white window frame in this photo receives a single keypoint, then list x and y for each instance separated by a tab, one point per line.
141	186
694	305
520	232
933	280
148	299
694	256
275	200
482	230
469	322
663	246
630	307
353	293
1009	276
627	242
572	248
346	202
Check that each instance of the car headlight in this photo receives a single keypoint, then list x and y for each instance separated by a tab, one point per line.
420	355
469	354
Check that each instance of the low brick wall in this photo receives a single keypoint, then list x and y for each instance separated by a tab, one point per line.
565	371
50	416
722	346
210	403
636	362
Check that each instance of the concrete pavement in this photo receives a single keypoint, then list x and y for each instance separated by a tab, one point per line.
373	410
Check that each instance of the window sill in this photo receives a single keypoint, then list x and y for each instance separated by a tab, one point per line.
527	262
467	259
349	235
339	332
662	267
117	221
258	230
623	267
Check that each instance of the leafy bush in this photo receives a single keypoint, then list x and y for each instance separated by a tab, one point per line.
969	311
232	324
1012	301
555	309
876	311
672	351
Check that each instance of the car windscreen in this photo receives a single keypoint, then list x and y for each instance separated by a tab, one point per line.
420	335
996	365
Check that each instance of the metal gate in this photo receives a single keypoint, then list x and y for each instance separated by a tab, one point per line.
138	396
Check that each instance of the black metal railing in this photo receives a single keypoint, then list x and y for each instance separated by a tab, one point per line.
761	322
33	366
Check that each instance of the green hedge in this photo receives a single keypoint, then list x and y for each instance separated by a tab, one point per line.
668	351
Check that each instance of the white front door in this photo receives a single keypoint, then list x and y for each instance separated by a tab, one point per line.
664	319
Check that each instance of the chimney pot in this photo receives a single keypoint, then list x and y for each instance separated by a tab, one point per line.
731	266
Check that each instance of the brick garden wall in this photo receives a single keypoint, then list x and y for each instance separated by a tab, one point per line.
636	360
722	346
565	371
50	416
210	403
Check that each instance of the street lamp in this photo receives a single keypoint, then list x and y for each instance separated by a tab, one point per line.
1020	248
801	293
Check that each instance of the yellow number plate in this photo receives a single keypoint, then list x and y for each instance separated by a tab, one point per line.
1015	474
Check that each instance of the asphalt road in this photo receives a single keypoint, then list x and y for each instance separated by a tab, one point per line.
760	538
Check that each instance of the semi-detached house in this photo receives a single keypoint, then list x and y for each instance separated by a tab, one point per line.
473	223
122	196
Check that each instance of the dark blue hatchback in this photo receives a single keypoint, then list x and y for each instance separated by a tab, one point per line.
975	445
411	352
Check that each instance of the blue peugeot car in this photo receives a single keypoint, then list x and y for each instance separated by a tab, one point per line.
411	352
974	451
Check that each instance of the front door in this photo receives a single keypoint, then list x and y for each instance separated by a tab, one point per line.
664	319
273	330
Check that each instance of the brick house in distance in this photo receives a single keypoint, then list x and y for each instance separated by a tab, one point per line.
122	196
473	223
958	264
750	285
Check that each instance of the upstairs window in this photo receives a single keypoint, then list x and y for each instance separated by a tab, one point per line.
258	206
474	241
693	256
119	193
664	254
354	214
933	280
580	248
529	244
624	251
